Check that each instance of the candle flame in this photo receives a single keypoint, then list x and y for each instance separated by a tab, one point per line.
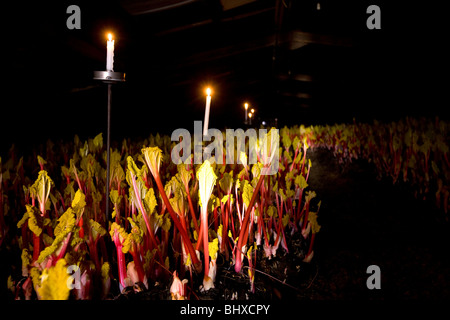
208	91
246	106
109	36
250	114
252	111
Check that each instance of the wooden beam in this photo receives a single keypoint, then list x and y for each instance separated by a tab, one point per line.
297	38
230	4
299	95
297	77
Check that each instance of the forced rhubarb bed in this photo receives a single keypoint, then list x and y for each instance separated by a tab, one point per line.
345	197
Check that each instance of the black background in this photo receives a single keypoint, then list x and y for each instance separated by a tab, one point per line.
170	56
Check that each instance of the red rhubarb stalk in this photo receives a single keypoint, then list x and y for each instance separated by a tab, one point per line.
243	234
153	158
173	215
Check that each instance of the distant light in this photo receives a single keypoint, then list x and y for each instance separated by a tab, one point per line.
263	123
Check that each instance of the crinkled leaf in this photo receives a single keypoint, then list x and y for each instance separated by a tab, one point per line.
178	202
271	211
153	158
285	220
69	190
213	248
118	233
105	271
132	167
150	201
65	226
213	203
224	199
184	174
54	282
286	139
312	218
98	141
79	202
207	179
256	170
296	144
26	262
243	158
35	221
136	231
66	223
96	229
41	187
226	183
23	220
309	195
247	193
166	222
114	196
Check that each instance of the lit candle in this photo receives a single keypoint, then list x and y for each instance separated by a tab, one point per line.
208	104
110	53
250	116
246	107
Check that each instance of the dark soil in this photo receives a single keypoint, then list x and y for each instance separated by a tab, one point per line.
369	222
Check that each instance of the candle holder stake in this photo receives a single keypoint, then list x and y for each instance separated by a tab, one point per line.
109	78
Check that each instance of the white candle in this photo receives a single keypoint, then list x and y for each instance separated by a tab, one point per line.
110	53
246	107
208	104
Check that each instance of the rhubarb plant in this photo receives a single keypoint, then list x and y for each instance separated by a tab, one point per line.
207	180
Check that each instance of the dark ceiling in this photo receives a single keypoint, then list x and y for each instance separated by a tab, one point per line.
295	61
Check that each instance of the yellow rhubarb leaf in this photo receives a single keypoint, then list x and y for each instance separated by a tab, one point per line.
41	188
116	231
184	174
207	179
150	201
226	183
312	218
54	282
153	158
247	193
300	182
41	161
79	202
98	141
213	248
97	229
65	226
35	220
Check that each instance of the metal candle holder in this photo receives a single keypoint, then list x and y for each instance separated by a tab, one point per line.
109	78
